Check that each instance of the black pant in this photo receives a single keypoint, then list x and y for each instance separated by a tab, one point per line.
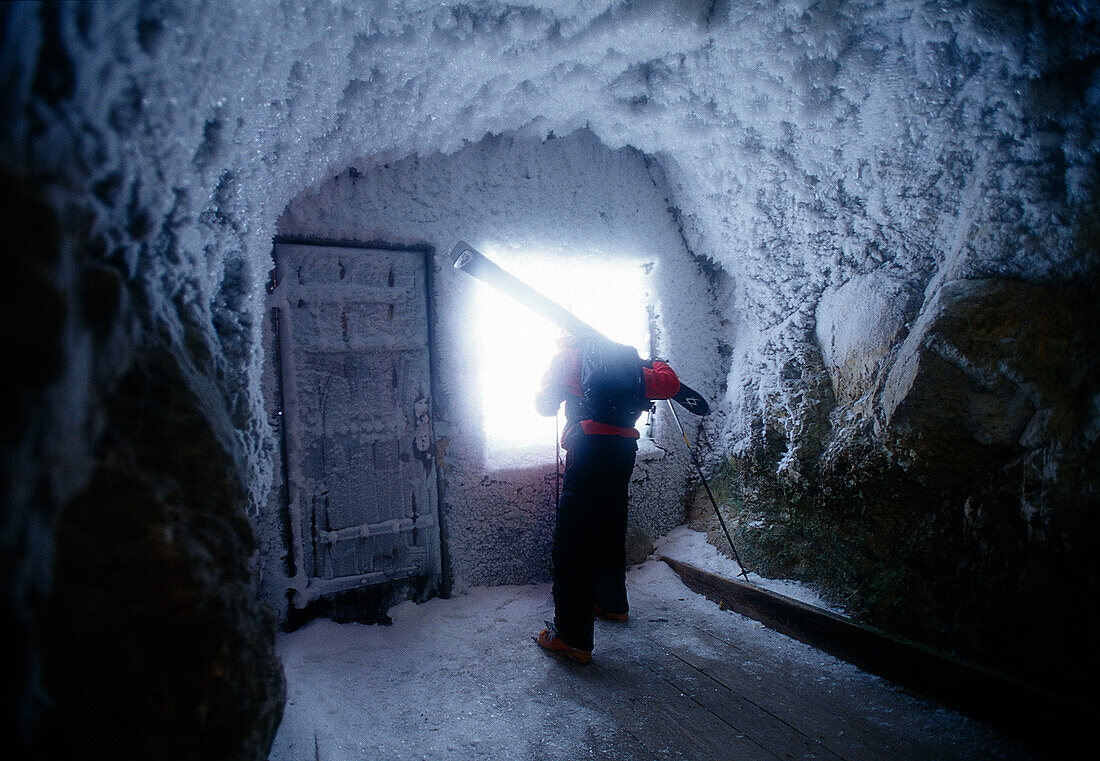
590	534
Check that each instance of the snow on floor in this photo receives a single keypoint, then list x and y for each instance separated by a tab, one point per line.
690	546
463	679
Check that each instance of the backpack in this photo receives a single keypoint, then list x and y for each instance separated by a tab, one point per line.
613	382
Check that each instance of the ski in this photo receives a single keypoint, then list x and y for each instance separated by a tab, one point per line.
691	400
474	263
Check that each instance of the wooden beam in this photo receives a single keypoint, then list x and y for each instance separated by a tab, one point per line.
1041	717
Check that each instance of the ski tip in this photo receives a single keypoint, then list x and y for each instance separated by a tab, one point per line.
691	400
463	253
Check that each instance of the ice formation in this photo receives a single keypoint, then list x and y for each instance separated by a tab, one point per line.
804	143
840	185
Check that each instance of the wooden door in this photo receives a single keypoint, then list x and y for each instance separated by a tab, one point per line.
353	349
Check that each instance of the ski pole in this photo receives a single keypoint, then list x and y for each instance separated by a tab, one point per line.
706	486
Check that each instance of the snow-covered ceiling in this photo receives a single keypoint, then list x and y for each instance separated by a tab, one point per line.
803	142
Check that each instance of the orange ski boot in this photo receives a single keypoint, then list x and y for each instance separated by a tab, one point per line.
549	639
618	618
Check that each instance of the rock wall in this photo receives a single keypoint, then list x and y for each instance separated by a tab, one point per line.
956	496
128	589
912	401
152	613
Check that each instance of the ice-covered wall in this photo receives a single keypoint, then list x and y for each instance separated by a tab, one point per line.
567	196
901	145
805	143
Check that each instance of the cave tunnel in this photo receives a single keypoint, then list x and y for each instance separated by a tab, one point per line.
260	422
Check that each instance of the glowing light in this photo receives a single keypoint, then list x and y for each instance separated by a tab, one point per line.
515	345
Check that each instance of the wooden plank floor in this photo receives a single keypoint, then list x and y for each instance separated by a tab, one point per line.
694	693
461	679
690	685
1040	717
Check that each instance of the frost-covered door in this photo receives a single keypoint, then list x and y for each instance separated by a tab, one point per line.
353	346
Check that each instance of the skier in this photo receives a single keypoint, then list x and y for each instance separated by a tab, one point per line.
605	387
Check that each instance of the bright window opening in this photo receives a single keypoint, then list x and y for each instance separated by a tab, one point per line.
515	345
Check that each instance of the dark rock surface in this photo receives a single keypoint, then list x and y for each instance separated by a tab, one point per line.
127	586
30	340
956	498
153	642
991	369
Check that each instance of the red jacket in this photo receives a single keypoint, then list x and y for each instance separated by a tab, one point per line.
563	380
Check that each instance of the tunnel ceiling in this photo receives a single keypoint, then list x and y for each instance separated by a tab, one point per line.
803	144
